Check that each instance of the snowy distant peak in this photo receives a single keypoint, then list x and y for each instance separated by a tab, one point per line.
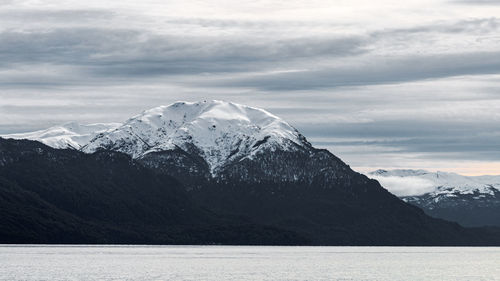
220	132
421	182
399	172
69	135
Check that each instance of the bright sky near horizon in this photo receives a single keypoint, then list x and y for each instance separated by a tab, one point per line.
382	84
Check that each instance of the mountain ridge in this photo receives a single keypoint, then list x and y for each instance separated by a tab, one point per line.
251	168
220	131
68	135
469	200
50	204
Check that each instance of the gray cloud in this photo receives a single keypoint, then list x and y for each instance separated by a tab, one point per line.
7	2
108	46
477	2
376	70
456	140
353	87
135	53
405	186
248	24
94	53
65	16
98	52
474	26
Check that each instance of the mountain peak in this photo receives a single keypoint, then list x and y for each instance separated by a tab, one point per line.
211	111
218	131
468	200
68	135
399	172
434	183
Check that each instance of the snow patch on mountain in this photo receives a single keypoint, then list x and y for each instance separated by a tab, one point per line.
435	184
220	132
69	135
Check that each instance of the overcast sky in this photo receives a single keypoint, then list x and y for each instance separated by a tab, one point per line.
382	84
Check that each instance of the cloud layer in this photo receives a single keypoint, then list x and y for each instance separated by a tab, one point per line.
382	86
406	186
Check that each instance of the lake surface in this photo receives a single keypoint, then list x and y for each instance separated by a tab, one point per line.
247	263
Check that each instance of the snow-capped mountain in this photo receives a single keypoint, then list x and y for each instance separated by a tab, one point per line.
210	139
471	200
237	161
219	131
108	197
439	184
69	135
222	141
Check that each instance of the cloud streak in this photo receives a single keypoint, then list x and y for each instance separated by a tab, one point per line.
405	186
477	2
377	70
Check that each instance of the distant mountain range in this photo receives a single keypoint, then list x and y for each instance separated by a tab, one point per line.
201	173
70	135
471	201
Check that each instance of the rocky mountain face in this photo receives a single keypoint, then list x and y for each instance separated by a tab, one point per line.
243	164
471	201
219	132
221	142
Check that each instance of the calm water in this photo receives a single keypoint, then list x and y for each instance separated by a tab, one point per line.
247	263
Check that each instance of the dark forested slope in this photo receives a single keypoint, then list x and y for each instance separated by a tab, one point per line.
64	196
